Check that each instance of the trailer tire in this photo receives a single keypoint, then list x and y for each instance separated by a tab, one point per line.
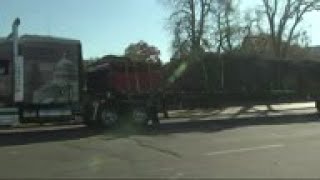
107	117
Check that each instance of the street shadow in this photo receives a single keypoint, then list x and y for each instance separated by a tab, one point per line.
165	129
32	137
213	125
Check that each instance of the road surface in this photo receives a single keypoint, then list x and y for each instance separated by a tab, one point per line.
281	141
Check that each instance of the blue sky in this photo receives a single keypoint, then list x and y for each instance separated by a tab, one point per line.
103	26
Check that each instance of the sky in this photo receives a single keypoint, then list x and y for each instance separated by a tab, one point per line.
104	26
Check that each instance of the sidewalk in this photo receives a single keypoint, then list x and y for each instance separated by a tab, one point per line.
248	110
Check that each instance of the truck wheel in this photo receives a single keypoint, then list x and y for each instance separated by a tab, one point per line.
87	113
318	106
107	117
140	116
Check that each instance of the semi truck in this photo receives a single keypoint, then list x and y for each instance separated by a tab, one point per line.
43	78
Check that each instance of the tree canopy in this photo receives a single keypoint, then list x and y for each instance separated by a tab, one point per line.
142	51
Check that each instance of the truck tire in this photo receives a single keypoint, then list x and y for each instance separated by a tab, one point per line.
140	116
87	114
318	106
107	117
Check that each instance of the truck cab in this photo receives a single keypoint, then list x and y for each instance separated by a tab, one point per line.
43	82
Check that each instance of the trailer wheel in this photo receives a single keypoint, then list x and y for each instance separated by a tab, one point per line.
140	116
107	117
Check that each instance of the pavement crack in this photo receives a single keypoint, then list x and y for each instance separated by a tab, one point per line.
154	148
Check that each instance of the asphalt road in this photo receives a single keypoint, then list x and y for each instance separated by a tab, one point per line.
281	141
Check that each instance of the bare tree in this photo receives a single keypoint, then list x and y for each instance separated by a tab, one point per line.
180	45
189	21
228	27
283	18
253	19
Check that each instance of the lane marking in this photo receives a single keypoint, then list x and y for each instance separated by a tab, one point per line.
245	149
178	175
